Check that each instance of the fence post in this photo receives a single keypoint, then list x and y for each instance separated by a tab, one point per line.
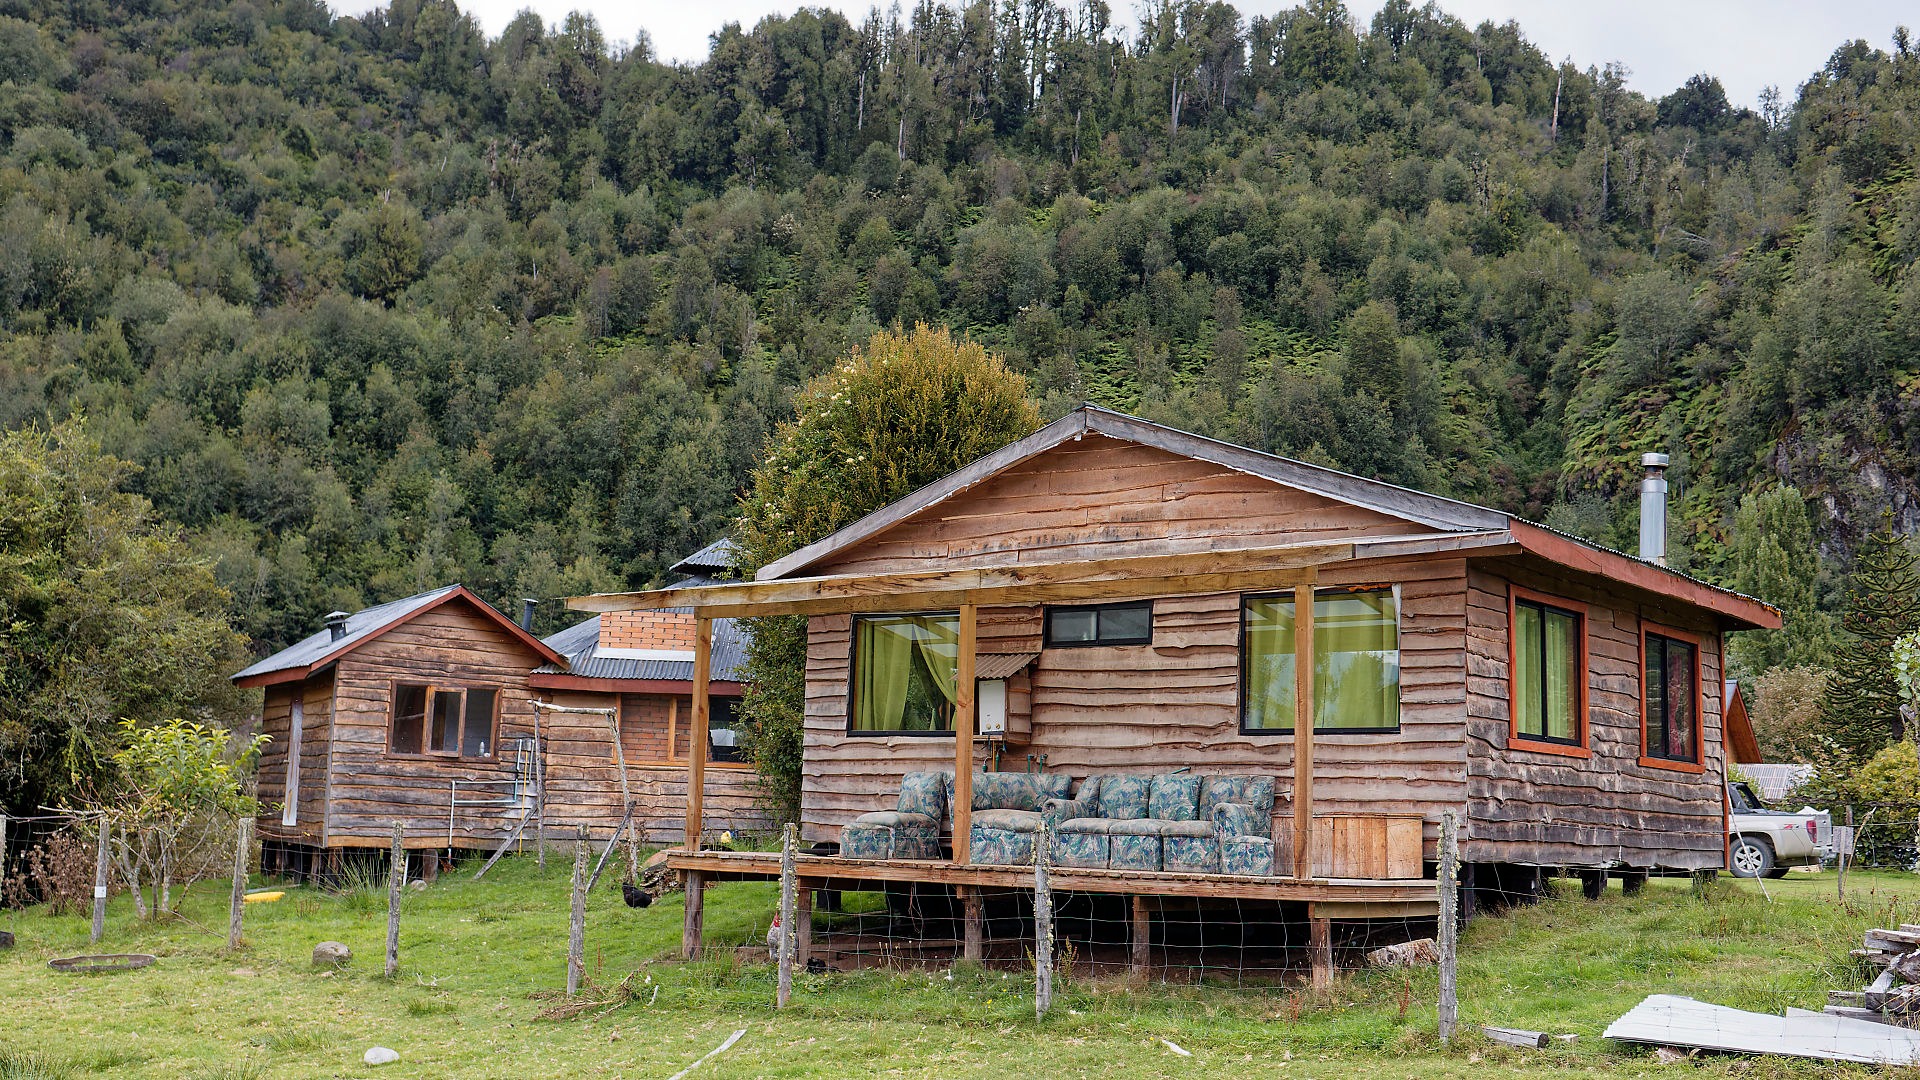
1449	921
1042	927
100	883
784	957
396	883
577	928
242	842
1840	857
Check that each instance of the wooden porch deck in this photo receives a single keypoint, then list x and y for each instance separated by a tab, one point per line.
1325	899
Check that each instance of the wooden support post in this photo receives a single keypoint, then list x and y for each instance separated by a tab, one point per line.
430	866
1593	883
1449	929
963	699
577	925
1320	951
1140	944
789	910
1468	898
237	902
973	920
698	734
696	887
100	881
396	884
1840	859
1632	881
802	924
539	814
1304	716
1042	927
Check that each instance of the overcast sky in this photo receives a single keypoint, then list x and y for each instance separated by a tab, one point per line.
1747	43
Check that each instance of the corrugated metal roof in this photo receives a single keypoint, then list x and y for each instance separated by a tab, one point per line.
580	644
1001	665
360	626
710	561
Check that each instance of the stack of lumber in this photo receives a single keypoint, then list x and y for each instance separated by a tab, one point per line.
1893	997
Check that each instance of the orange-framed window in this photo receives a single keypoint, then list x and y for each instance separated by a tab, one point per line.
1672	698
1547	673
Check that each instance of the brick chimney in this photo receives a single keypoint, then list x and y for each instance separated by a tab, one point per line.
657	633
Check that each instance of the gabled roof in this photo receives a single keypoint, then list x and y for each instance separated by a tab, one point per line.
580	644
316	651
1434	511
1438	513
711	561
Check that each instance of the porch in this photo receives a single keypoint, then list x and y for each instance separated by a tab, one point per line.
1324	899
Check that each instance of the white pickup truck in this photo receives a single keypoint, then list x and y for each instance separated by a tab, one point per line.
1764	843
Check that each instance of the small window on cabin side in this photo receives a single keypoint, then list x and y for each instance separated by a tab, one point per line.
1546	673
1670	684
1129	623
723	735
409	716
905	670
1356	668
445	720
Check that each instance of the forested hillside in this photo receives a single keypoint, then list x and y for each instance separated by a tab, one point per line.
378	303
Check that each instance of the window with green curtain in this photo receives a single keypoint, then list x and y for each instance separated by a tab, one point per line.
1672	699
905	671
1546	672
1356	662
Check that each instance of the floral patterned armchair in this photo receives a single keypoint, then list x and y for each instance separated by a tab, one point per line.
909	831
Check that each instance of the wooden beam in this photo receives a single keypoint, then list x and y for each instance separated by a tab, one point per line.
697	732
1140	954
1746	612
973	915
1136	575
1303	721
964	692
1321	949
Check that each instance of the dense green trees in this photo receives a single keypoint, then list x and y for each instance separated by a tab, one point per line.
375	303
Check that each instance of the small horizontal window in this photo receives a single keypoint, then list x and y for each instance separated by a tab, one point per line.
1130	623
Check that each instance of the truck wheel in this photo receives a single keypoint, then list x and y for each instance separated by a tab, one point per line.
1752	856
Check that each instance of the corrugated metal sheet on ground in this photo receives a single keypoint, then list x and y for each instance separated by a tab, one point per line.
1670	1020
580	644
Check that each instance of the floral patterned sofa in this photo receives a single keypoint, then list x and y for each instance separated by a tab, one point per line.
1175	821
1007	811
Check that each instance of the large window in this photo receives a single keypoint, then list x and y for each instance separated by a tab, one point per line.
1549	672
1130	623
905	670
1356	662
450	720
1670	694
723	733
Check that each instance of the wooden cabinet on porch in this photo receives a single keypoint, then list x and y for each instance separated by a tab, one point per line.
1363	847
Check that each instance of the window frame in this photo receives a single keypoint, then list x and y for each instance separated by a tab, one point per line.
1240	688
1698	765
1048	641
1581	746
426	721
853	677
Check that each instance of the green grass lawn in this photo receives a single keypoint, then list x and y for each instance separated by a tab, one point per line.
478	963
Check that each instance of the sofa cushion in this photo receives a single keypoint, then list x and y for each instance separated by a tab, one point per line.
1190	854
1174	797
1186	828
1001	847
1250	855
894	819
1133	852
1018	790
1085	849
1123	797
1136	827
1255	792
1085	826
924	793
1018	821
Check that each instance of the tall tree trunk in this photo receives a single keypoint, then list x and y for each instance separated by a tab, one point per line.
1553	130
1173	109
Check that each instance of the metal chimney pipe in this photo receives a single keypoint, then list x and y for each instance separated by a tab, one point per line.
1653	509
337	624
527	604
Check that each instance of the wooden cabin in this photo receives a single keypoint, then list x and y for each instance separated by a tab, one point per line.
426	711
639	665
1560	698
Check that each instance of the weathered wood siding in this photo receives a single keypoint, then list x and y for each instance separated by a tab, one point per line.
371	788
276	721
1172	703
583	779
1531	807
1102	497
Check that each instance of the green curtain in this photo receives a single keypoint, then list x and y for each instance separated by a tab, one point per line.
1561	651
904	664
1356	669
1527	676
